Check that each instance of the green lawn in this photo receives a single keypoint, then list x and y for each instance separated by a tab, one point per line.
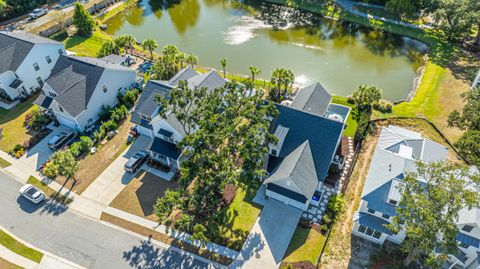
352	123
4	163
19	248
243	214
11	124
48	191
86	46
306	245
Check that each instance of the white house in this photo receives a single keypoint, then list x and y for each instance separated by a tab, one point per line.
167	132
78	88
396	154
26	61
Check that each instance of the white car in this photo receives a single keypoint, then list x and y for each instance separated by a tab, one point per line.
32	193
38	12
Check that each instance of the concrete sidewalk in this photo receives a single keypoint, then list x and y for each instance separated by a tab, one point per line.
49	261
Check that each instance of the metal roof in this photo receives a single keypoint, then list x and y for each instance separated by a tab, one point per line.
374	222
165	148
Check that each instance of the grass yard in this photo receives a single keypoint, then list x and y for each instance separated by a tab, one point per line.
86	46
352	123
11	124
94	164
165	239
243	214
4	264
140	195
49	191
9	242
305	246
4	163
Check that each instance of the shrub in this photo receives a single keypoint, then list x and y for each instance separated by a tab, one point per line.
326	220
105	113
99	135
51	170
323	229
17	151
35	120
350	100
129	97
364	125
335	206
76	149
86	142
109	126
383	106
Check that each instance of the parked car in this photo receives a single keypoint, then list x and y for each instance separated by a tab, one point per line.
135	162
38	12
32	193
60	140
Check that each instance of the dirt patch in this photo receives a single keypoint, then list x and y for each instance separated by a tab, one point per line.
141	194
94	164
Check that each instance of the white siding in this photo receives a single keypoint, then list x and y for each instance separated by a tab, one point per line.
144	131
160	123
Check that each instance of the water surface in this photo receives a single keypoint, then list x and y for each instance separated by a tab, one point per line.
339	55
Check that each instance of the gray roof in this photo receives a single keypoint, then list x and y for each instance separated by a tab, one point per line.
114	59
183	74
387	164
211	80
296	172
322	135
147	105
15	46
74	80
313	99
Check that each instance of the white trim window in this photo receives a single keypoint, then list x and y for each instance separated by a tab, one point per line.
369	231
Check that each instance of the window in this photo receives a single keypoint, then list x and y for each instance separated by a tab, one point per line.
168	138
36	67
362	229
51	94
392	202
104	88
145	117
369	231
371	211
385	216
467	228
61	109
60	52
464	245
377	234
274	152
49	60
40	81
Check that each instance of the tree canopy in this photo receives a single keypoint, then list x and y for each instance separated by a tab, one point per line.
150	44
429	207
171	61
281	83
366	96
227	138
83	20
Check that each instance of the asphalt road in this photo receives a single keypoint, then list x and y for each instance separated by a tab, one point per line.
81	240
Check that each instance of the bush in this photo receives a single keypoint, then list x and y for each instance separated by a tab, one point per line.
350	100
105	113
86	142
76	149
119	113
383	106
17	151
364	125
109	126
35	120
335	206
129	97
51	170
99	135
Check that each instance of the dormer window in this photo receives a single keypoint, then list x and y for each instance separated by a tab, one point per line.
51	94
49	60
467	228
60	52
104	88
145	117
36	67
273	152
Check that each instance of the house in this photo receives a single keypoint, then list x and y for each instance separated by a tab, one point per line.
167	132
118	59
26	62
396	154
79	87
307	142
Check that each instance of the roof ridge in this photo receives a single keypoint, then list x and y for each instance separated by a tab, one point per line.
304	147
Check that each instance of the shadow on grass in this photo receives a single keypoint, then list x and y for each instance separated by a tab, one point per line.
299	238
12	114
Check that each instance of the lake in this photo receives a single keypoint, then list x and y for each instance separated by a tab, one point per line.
339	55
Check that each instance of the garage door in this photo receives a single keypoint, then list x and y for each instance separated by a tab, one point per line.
66	121
286	200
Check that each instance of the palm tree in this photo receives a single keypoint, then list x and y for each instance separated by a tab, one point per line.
281	77
254	71
223	63
150	45
129	43
192	60
287	79
181	58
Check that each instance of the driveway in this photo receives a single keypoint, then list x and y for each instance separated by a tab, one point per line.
84	241
268	241
33	159
112	181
